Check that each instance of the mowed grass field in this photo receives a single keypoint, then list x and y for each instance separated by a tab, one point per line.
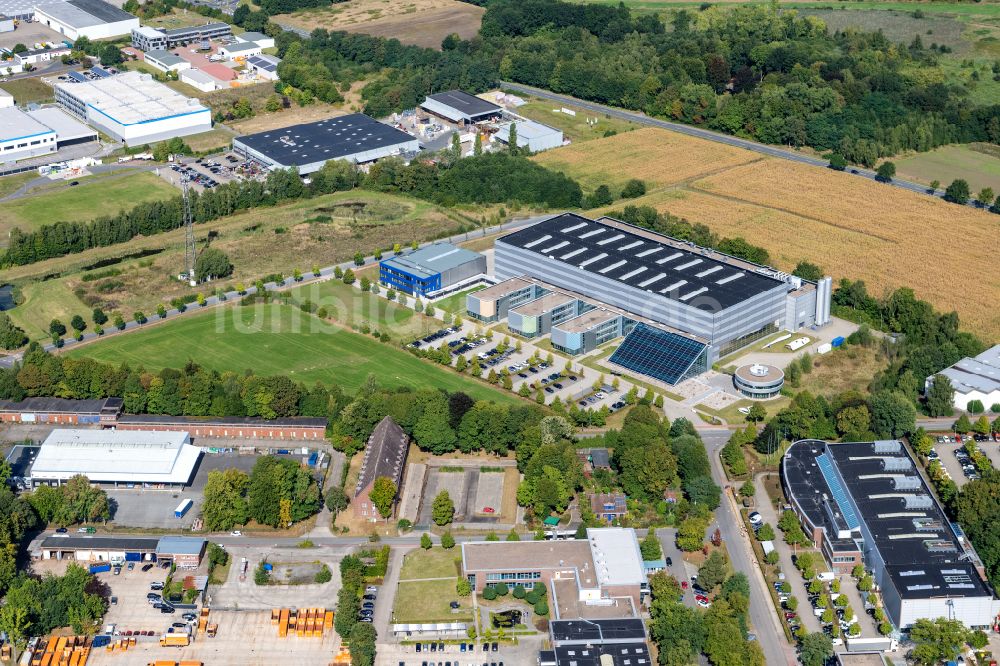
420	22
852	227
279	339
979	164
86	201
583	126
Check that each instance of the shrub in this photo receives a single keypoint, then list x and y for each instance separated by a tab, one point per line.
324	575
489	594
541	608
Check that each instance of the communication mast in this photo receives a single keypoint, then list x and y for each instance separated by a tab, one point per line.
189	247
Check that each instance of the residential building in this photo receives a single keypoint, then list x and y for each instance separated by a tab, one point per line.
609	507
385	457
431	268
867	503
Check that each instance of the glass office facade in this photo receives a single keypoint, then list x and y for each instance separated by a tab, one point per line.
666	356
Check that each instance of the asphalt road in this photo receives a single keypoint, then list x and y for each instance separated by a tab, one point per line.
642	119
762	613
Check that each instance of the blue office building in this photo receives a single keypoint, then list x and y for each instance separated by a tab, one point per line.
431	269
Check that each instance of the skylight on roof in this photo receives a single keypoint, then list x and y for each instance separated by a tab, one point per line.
632	274
688	297
709	271
689	264
646	253
670	258
616	237
655	278
675	285
575	227
555	247
594	232
538	241
586	263
608	269
729	278
630	246
573	253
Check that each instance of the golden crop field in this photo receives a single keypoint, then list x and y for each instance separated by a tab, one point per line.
653	155
853	228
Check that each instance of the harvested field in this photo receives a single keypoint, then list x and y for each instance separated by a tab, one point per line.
420	22
853	228
656	156
861	229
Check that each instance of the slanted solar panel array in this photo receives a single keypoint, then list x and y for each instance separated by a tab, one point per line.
660	354
839	493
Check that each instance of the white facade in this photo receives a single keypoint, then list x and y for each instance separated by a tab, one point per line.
536	137
165	61
11	66
975	378
41	55
6	99
116	456
21	136
6	24
240	50
75	23
258	38
133	108
200	80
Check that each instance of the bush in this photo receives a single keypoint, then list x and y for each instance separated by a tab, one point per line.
541	608
463	587
447	541
519	592
502	589
324	575
489	594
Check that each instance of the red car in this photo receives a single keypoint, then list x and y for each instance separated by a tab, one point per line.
684	585
488	509
702	600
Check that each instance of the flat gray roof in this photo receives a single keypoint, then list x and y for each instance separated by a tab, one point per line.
432	259
587	321
165	57
16	124
981	373
501	289
543	304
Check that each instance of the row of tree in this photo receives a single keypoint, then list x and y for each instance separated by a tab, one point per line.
487	178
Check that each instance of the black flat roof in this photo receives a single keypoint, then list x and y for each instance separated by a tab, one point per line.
70	542
463	102
308	143
922	552
672	268
624	654
59	405
102	10
596	631
161	419
197	29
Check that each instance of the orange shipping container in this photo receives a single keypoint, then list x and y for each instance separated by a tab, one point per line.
190	663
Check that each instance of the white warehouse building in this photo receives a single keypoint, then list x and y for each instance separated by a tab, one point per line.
94	19
164	458
134	109
976	378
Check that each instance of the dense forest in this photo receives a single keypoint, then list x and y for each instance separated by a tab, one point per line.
753	71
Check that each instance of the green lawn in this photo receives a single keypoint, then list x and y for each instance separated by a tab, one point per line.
428	601
945	164
89	199
279	339
43	302
349	305
574	128
455	303
433	563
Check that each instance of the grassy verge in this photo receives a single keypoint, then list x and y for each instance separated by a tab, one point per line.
428	601
455	303
278	339
29	90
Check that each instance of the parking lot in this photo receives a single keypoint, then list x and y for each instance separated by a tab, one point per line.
955	459
525	652
245	638
140	507
29	34
572	387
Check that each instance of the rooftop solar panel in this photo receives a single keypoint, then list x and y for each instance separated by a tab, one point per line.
839	493
657	353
